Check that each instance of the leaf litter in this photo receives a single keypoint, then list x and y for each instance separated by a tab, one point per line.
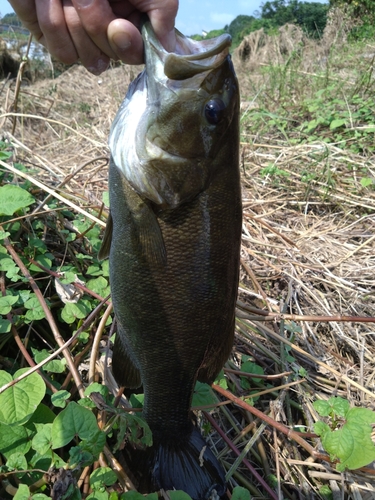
306	303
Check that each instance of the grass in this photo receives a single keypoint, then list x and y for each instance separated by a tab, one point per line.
305	309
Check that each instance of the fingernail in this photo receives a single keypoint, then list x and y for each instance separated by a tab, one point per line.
121	40
81	4
98	68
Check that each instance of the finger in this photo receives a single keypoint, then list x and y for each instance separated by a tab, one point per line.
89	54
126	41
26	11
162	18
56	36
95	16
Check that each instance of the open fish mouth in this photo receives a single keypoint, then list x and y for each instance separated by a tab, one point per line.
191	58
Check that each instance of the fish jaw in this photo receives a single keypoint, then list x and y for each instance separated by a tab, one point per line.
161	139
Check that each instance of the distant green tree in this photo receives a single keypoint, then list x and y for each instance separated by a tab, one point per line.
311	16
11	19
361	10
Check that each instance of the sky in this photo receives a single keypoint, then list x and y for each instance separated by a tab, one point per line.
197	15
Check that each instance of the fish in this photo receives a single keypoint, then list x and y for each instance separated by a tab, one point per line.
173	240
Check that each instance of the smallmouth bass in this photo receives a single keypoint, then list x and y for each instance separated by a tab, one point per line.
173	241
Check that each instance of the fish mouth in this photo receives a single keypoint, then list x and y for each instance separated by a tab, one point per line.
191	58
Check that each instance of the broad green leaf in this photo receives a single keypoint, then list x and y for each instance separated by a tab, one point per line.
42	415
340	406
136	400
322	407
59	398
366	181
17	461
71	312
352	443
34	309
6	303
320	428
98	495
41	442
337	123
103	476
4	234
18	402
240	493
134	495
203	395
5	325
23	493
221	380
13	440
54	366
13	198
99	285
360	416
43	261
95	387
251	367
178	495
74	421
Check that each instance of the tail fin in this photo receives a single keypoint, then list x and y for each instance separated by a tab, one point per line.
189	466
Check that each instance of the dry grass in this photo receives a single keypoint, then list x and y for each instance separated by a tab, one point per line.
308	260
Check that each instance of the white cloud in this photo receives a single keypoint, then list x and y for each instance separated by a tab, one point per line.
221	18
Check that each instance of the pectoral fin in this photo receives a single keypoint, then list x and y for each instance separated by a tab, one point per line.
150	237
107	239
123	368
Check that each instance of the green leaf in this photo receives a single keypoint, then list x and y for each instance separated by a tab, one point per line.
13	198
95	387
240	493
203	395
221	380
59	398
98	495
34	310
136	400
322	407
23	493
104	476
339	406
178	495
6	303
71	312
13	440
18	402
5	325
134	495
99	285
320	428
74	421
17	461
43	261
337	123
54	366
352	444
42	415
41	442
366	181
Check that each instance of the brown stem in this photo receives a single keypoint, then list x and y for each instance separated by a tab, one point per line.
237	452
277	425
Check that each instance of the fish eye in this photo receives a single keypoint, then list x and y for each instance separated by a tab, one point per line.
214	111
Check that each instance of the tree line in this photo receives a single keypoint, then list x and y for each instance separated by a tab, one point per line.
310	16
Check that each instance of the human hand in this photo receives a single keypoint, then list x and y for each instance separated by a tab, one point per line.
95	31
